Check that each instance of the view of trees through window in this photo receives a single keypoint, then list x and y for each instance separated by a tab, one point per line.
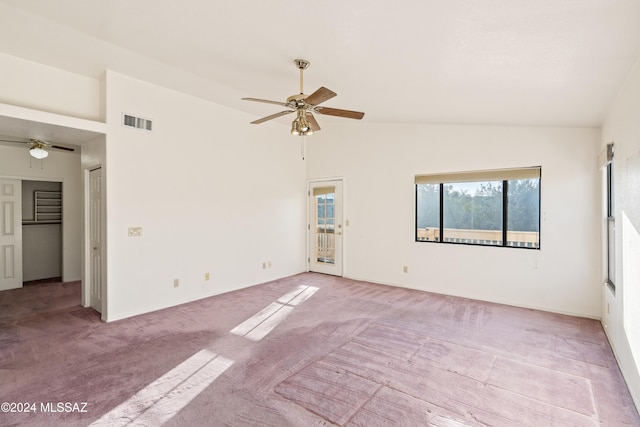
473	212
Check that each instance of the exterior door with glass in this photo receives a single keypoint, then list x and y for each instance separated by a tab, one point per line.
325	227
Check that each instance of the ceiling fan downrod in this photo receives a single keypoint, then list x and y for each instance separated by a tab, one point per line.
302	64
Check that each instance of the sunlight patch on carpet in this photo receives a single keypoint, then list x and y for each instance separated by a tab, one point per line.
260	324
162	399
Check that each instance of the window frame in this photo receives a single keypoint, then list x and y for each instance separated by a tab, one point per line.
611	226
505	175
605	163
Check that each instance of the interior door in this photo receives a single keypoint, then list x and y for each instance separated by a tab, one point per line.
95	238
10	234
325	227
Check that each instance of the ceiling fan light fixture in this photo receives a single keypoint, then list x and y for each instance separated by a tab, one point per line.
301	126
38	152
295	127
305	128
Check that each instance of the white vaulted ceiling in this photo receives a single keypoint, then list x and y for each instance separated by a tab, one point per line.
508	62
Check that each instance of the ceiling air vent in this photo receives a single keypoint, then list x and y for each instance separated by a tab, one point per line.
136	122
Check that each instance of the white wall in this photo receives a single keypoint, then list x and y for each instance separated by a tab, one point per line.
64	167
621	314
379	162
39	87
211	193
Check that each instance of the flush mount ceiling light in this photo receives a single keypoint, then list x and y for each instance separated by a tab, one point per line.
304	106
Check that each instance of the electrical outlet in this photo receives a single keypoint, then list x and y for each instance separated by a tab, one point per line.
176	283
135	231
206	276
405	268
269	265
264	265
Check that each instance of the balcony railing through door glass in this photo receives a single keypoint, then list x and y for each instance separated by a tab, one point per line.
325	249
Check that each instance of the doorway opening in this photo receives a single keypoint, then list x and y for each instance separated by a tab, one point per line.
42	223
325	227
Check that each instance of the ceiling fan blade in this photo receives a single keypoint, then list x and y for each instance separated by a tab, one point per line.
340	113
62	148
38	143
266	101
312	122
319	96
273	116
17	142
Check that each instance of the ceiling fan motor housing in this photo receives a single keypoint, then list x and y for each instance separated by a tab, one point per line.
298	99
303	64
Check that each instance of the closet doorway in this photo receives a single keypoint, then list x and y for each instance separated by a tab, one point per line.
41	231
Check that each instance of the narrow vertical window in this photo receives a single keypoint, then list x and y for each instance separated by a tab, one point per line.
523	213
428	212
611	229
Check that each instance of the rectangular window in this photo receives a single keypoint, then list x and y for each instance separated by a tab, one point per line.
473	212
491	208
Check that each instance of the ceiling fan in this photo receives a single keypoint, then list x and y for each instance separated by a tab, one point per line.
304	106
38	146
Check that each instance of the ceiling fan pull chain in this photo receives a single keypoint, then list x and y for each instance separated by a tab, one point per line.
31	163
